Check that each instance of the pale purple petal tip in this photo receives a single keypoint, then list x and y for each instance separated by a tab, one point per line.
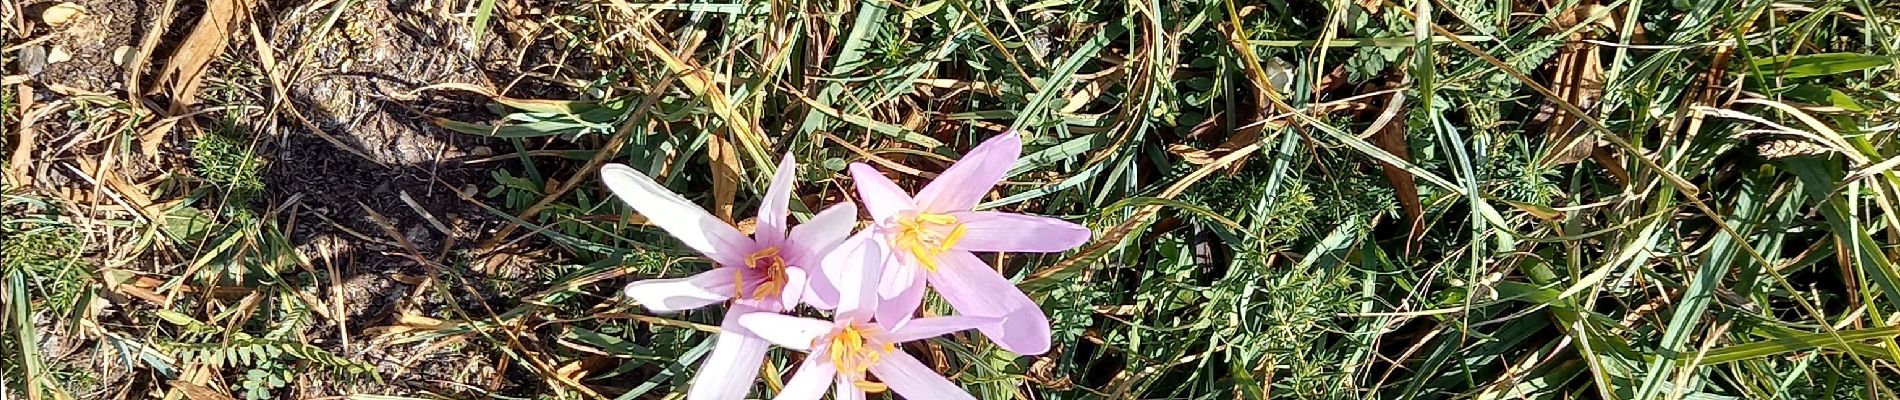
668	295
882	198
680	218
776	206
965	183
991	231
970	286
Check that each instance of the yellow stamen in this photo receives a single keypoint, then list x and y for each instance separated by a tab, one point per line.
922	236
854	349
773	266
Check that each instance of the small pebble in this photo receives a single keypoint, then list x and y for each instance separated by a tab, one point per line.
33	59
58	55
62	13
481	151
122	55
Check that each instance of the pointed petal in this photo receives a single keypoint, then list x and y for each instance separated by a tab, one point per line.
913	380
810	241
854	271
970	286
900	306
731	368
796	283
691	224
964	183
777	204
925	328
992	231
668	295
811	380
786	331
881	196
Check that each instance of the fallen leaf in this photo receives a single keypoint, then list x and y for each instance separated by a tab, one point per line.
193	391
406	279
408	321
576	370
22	157
1391	138
1577	78
186	67
1190	154
725	169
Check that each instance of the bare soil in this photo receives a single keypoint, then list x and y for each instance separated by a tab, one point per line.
362	83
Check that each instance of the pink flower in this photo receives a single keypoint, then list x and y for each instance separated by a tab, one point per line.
929	239
765	273
844	350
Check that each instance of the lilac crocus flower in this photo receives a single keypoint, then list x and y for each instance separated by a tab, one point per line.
847	348
764	273
929	239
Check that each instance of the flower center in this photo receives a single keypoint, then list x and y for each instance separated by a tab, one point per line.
767	262
925	236
854	348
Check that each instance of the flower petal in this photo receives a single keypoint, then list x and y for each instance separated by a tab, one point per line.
925	328
853	272
964	183
881	196
811	380
733	365
668	295
796	282
970	286
776	206
1000	232
809	242
847	391
691	224
819	292
912	379
786	331
897	308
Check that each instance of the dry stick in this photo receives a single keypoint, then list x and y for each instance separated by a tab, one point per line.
135	67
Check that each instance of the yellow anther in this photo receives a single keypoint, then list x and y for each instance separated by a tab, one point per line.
854	349
870	387
768	261
922	235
